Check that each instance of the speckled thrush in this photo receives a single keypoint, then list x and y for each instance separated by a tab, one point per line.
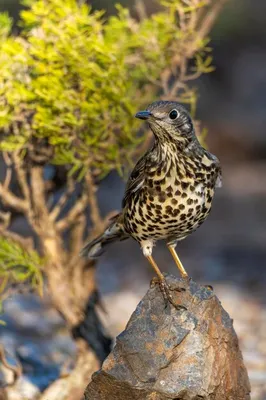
169	192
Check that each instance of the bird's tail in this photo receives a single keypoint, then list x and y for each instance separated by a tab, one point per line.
112	233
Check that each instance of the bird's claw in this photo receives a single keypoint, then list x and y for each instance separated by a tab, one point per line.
166	289
155	281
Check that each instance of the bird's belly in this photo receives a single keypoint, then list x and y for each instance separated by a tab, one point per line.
168	215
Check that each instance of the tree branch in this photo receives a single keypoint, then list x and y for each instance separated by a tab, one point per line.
17	369
38	215
140	9
76	239
63	200
10	200
95	215
5	217
8	163
26	243
21	177
209	18
201	22
71	217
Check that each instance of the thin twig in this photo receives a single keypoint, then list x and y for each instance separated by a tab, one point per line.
193	20
8	163
210	18
192	77
179	83
71	217
200	21
141	9
182	21
95	215
6	218
17	369
10	200
21	177
27	243
63	200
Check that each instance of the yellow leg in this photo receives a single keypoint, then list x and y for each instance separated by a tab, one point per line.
163	284
155	267
178	262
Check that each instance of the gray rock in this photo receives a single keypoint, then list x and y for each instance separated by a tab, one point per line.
165	353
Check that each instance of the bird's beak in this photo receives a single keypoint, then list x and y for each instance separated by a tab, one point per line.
143	115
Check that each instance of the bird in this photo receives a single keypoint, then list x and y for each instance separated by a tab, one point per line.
169	193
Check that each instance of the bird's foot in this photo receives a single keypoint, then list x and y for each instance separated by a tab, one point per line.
157	281
166	292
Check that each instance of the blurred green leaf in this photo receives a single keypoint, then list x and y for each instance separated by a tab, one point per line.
18	265
5	25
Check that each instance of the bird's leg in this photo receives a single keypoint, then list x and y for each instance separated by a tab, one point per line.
179	265
156	268
165	289
147	251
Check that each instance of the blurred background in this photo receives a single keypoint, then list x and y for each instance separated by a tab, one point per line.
228	251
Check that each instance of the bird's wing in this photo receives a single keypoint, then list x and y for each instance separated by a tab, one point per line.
219	180
218	175
136	180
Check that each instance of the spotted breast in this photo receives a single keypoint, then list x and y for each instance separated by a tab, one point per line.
175	197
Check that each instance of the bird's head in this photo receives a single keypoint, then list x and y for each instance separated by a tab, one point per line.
169	121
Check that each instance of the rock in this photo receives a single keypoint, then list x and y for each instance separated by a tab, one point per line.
23	389
165	353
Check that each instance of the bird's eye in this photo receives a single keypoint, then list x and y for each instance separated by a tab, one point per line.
173	114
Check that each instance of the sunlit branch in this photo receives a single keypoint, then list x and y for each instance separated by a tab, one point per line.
71	217
17	369
11	200
63	200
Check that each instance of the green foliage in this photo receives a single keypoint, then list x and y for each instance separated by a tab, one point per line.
19	266
5	25
76	78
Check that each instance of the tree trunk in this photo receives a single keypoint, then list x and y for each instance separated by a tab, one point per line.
72	288
180	354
